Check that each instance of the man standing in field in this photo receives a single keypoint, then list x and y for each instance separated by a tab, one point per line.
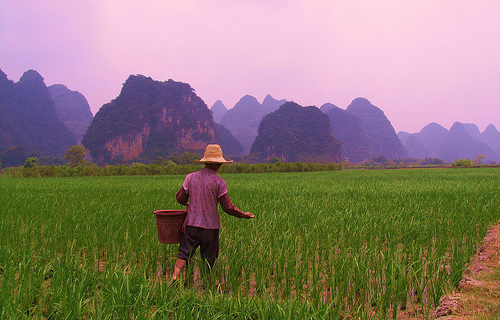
204	189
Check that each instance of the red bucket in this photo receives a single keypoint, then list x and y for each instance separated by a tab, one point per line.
169	225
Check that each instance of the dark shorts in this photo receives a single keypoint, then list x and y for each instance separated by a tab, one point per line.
206	239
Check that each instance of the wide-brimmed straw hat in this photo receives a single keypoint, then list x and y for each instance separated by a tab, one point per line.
213	155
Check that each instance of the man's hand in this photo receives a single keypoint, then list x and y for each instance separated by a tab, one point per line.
248	215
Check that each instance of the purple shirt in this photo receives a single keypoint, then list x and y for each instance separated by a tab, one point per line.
204	189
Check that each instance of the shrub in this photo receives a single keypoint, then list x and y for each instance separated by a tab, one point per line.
30	172
463	163
31	162
15	172
48	171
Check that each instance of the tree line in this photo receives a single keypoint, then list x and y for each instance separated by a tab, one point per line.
74	164
78	166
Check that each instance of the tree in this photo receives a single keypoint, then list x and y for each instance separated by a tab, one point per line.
30	169
188	157
275	159
31	162
184	158
380	160
159	161
75	155
479	157
432	161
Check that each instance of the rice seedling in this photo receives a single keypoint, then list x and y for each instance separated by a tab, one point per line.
365	244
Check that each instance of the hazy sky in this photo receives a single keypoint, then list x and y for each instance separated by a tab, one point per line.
419	61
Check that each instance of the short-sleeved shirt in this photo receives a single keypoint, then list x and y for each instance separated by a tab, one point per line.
204	188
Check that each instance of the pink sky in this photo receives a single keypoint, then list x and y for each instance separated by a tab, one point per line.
419	61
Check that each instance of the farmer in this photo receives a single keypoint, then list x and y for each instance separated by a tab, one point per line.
204	189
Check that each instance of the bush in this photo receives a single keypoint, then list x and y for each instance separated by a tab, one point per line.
462	163
15	172
48	171
30	172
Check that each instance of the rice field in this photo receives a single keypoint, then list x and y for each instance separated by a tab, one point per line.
333	245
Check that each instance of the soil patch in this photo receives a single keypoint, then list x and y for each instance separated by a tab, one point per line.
478	295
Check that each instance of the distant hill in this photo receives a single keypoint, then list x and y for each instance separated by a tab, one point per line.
327	107
378	129
472	130
218	110
458	144
28	117
294	133
461	141
72	108
270	104
424	143
347	128
244	118
432	136
363	128
230	145
491	137
149	119
415	148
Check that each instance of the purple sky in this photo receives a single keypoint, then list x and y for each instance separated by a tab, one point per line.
419	61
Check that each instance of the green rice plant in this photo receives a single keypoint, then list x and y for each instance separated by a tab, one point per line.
363	244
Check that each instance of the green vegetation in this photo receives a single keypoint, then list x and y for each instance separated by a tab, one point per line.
31	162
162	113
294	133
466	163
162	167
30	168
75	155
361	244
184	158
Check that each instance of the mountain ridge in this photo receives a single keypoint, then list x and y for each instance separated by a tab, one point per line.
29	117
72	108
362	128
295	133
461	141
378	129
149	119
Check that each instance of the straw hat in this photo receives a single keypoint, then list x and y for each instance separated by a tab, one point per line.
213	155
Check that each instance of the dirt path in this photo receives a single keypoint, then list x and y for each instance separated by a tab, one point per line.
478	295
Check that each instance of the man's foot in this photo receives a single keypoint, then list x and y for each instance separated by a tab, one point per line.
177	273
179	264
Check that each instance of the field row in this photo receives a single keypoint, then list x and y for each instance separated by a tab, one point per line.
355	243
